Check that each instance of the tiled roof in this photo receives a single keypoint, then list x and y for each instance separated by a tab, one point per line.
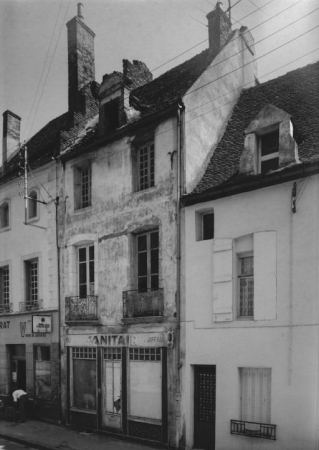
297	93
168	88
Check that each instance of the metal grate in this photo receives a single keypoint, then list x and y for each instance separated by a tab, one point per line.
253	429
206	397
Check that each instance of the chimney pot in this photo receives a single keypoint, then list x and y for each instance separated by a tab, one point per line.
80	15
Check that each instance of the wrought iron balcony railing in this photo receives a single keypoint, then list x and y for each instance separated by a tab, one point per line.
143	304
5	308
80	309
33	305
253	429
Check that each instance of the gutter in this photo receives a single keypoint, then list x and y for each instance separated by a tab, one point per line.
252	183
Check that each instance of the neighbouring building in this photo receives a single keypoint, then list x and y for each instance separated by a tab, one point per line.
250	322
120	183
29	253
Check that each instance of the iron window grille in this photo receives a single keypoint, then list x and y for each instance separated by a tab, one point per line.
253	429
246	286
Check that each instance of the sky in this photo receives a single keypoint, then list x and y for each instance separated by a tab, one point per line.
161	33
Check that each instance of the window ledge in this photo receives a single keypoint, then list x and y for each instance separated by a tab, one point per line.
83	322
82	210
33	219
5	229
150	319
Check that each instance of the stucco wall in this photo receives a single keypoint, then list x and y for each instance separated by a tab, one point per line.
288	344
210	101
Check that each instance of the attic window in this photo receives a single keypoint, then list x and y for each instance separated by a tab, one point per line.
111	115
269	152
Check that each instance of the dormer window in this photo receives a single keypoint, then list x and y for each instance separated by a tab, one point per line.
269	143
111	115
269	152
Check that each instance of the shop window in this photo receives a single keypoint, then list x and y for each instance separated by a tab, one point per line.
86	270
145	384
148	261
42	372
32	281
83	378
146	167
82	187
4	215
33	205
4	287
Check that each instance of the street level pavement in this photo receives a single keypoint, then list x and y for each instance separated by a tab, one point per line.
47	436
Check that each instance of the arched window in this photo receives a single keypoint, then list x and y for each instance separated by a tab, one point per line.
33	205
4	215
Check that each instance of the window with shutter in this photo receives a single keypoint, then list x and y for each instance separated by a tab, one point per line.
255	394
223	274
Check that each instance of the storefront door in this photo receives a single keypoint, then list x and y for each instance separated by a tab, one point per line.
111	385
204	414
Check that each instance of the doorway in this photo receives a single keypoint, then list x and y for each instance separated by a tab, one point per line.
111	385
17	367
205	407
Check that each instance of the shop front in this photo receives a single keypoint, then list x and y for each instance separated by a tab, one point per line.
29	358
118	383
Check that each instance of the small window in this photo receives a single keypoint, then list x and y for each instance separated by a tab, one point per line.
42	372
204	223
255	394
146	167
246	286
86	270
111	114
32	281
4	287
32	205
82	187
148	261
4	215
269	152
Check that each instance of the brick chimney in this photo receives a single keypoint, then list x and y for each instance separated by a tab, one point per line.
80	58
219	28
11	135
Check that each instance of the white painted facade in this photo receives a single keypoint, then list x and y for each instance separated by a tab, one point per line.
283	335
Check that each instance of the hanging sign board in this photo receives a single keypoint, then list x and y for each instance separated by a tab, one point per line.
41	324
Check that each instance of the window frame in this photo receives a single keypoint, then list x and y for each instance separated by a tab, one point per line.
252	394
34	202
31	298
84	354
7	213
82	200
271	156
5	293
149	166
149	273
88	272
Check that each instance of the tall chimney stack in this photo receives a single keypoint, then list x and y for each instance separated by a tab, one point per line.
219	28
81	63
11	135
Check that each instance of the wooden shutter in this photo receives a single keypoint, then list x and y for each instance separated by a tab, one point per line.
256	394
223	280
265	275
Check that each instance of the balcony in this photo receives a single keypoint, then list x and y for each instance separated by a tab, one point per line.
6	308
253	429
33	305
143	304
81	309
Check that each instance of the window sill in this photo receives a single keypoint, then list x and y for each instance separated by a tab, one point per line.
82	322
5	229
245	319
141	191
33	219
82	210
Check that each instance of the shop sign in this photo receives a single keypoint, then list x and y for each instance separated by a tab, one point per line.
41	324
119	340
4	324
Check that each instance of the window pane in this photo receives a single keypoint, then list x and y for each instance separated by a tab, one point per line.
82	273
208	226
142	264
82	289
142	284
154	262
154	282
84	384
269	143
246	287
43	372
142	243
92	272
82	254
270	164
154	240
247	265
91	252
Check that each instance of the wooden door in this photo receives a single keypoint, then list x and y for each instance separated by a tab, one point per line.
204	402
